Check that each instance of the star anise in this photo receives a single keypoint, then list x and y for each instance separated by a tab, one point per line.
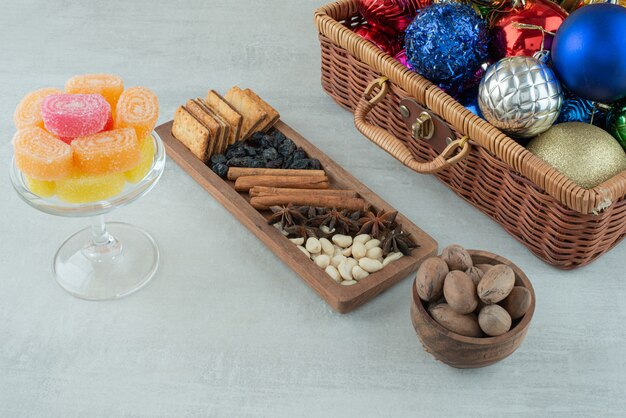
286	215
341	221
303	231
376	223
310	212
398	241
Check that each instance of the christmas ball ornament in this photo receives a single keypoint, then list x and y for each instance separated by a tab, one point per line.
571	5
447	43
588	52
401	56
390	16
518	31
521	96
470	101
585	153
383	41
618	2
575	109
616	123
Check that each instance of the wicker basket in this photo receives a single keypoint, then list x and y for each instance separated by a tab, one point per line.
560	222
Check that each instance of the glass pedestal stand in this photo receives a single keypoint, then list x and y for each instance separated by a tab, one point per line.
108	260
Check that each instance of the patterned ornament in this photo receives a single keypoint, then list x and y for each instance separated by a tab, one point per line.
386	43
575	109
585	153
447	43
588	53
616	123
390	16
511	39
521	96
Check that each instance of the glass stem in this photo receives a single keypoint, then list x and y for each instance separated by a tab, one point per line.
103	246
100	236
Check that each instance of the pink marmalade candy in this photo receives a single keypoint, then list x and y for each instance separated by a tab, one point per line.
74	115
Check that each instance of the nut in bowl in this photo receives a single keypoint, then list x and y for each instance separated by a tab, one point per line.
504	310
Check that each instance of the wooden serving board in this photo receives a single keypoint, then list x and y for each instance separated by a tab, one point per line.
341	298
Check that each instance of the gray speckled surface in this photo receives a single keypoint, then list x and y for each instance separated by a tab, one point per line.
225	328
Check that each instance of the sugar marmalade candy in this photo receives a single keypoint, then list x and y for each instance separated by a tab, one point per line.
28	111
80	188
107	152
147	156
41	155
74	146
74	115
138	108
108	85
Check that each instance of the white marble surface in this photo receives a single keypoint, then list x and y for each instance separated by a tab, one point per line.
225	329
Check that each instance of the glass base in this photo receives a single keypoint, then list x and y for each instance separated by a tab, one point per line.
115	269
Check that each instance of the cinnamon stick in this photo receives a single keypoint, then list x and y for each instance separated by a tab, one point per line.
235	172
258	191
352	203
243	184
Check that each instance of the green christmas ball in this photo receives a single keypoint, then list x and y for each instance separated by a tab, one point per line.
616	123
585	153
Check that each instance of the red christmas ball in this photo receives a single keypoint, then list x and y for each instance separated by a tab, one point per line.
390	16
401	56
388	44
510	40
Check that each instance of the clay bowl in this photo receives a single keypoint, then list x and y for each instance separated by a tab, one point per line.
469	352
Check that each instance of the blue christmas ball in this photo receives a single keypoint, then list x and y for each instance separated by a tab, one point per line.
470	101
588	52
576	109
447	43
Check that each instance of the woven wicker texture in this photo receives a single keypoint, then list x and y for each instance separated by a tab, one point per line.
560	222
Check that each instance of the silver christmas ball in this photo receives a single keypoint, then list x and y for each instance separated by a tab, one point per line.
521	96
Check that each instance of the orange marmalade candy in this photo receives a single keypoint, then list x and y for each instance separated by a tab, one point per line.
138	107
41	155
107	152
108	85
28	111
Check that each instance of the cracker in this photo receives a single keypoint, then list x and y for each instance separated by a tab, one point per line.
207	120
221	107
191	132
253	114
224	136
272	114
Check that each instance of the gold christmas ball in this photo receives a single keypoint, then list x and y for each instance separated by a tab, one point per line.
585	153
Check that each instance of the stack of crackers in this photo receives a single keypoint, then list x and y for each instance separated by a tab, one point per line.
208	126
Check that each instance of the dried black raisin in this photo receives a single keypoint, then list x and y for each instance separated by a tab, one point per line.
240	162
270	154
301	164
280	137
255	163
236	152
314	164
218	159
277	163
299	154
251	151
220	169
256	137
286	147
288	160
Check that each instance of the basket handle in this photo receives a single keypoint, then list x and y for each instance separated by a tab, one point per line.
393	145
